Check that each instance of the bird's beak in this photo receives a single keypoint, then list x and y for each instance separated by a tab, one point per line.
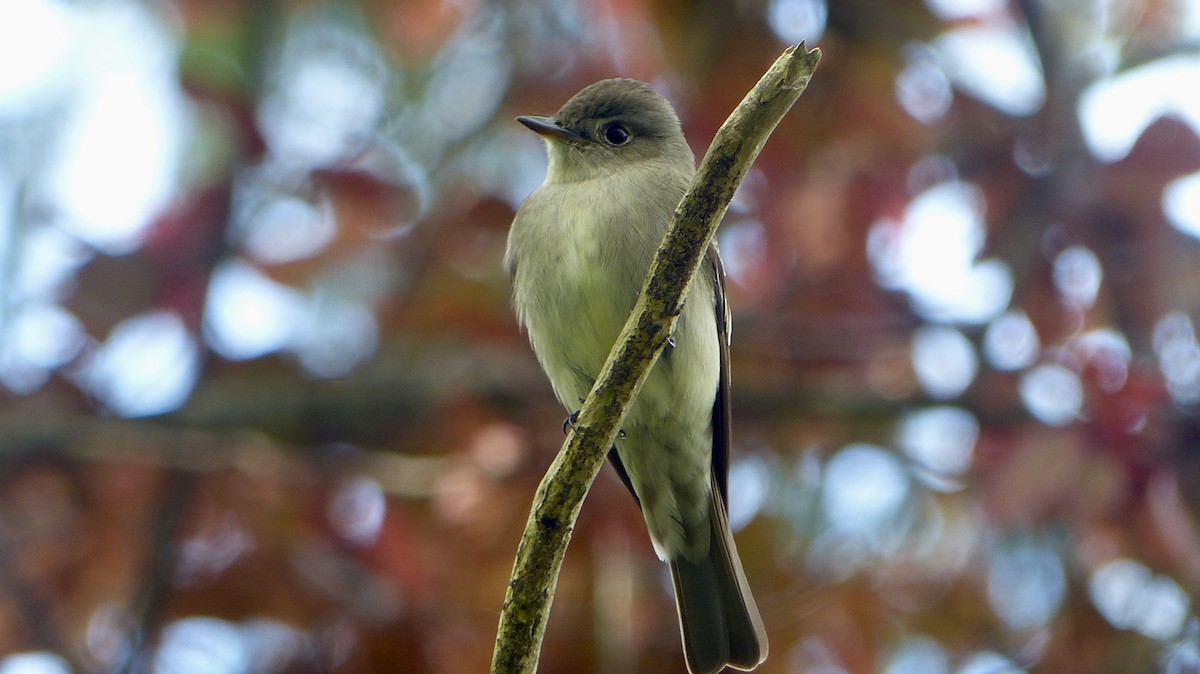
549	127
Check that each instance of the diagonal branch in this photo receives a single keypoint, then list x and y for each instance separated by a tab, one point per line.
560	495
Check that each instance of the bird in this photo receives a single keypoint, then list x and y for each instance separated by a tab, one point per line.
578	250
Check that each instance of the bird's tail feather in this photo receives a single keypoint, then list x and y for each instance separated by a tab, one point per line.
717	614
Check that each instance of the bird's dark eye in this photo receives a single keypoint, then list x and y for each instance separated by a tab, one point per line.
616	134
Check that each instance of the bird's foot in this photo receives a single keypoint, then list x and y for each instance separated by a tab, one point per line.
569	422
573	418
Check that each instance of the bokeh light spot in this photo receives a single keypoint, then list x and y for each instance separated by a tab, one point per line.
864	489
284	228
996	63
246	314
989	662
1053	394
795	21
1026	585
749	482
325	98
201	645
41	337
1114	112
117	163
1130	596
1178	357
940	439
944	361
1181	204
1106	355
922	88
147	365
1077	276
954	10
222	541
931	255
1011	342
337	335
1183	656
38	662
918	655
743	250
40	35
357	510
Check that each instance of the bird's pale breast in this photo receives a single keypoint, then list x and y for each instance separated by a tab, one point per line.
576	282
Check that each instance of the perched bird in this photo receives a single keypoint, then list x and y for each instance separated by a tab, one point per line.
578	252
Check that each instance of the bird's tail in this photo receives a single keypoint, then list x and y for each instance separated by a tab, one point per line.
717	615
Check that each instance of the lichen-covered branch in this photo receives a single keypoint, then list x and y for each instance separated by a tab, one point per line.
560	495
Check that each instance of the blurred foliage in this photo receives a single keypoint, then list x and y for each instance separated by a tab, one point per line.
358	425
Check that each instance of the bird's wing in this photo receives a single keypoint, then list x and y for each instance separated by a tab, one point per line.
722	423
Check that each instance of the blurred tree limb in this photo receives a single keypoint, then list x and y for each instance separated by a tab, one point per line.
560	495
